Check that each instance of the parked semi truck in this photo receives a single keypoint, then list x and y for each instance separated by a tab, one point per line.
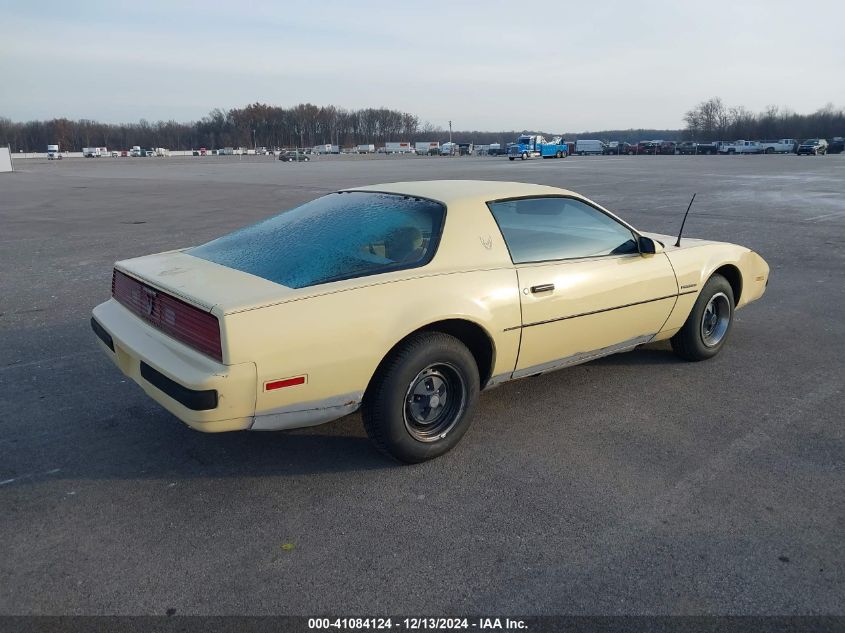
53	152
535	146
366	148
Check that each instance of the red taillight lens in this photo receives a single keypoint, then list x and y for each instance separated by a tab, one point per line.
182	321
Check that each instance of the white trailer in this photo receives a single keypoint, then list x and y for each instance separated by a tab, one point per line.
424	148
365	148
91	152
398	148
328	148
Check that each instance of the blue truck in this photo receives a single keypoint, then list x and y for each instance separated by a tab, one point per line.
528	146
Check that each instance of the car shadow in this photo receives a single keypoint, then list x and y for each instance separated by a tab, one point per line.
122	434
659	353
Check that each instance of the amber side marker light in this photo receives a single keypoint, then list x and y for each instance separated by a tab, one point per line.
285	382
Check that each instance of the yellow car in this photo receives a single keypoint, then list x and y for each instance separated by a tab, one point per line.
407	299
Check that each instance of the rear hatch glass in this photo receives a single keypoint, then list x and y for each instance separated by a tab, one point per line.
339	236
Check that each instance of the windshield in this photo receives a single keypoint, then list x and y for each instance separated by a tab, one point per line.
339	236
811	141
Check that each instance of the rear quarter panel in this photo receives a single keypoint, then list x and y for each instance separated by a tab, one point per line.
338	340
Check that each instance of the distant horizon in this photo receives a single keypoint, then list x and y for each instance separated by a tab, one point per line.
438	130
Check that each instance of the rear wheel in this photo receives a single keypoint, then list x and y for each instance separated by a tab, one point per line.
559	154
708	324
421	400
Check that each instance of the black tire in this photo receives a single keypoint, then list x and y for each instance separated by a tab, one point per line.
559	154
524	156
691	341
388	408
511	158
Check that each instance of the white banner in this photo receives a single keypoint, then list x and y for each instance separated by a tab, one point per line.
5	159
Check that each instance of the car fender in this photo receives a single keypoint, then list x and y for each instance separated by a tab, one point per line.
697	260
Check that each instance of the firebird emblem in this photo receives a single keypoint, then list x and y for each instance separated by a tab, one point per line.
486	241
148	301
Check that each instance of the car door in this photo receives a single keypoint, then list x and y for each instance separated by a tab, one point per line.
585	289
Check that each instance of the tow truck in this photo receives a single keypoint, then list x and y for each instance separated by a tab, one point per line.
535	146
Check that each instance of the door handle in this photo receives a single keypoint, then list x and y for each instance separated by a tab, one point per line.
542	288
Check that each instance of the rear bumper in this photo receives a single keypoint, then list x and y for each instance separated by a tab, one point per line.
204	394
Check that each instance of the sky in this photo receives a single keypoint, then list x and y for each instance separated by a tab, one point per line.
565	65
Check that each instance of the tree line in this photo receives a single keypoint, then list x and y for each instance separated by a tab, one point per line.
258	124
712	120
306	125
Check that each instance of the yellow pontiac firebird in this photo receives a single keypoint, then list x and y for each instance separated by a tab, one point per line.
407	299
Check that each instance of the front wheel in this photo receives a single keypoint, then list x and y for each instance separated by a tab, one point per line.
421	400
511	158
708	324
524	156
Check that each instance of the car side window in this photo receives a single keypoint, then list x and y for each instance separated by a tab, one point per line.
544	229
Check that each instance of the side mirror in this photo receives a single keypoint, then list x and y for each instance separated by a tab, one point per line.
649	246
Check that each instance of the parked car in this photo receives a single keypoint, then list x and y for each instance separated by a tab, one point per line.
781	146
294	156
374	297
647	147
741	147
687	147
711	147
616	148
666	147
836	145
814	146
587	147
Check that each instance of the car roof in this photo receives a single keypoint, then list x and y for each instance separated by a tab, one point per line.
451	191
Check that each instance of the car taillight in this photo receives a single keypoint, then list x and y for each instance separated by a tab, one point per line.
194	327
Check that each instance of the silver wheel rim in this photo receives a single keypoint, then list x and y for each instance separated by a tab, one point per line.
716	319
434	402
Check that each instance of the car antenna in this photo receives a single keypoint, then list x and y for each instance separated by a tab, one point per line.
681	232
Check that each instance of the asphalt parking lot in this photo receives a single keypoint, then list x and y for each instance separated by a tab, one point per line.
637	484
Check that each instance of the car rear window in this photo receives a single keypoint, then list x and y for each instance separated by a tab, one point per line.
339	236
